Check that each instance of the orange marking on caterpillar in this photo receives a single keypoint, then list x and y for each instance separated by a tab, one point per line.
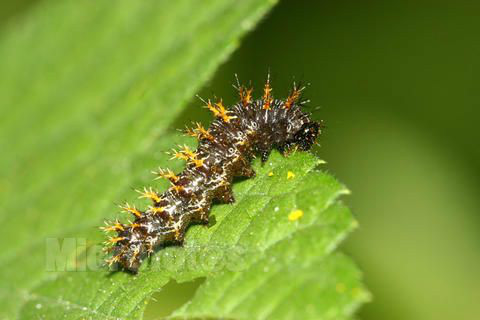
176	188
156	210
113	260
219	110
134	225
149	194
245	95
293	97
166	174
267	95
116	239
131	210
188	155
199	132
117	226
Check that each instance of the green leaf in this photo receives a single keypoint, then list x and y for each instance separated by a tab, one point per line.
288	270
257	263
89	92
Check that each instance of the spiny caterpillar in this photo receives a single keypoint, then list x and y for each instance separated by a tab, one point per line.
224	151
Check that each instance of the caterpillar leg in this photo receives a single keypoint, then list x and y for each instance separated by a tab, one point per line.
245	169
225	194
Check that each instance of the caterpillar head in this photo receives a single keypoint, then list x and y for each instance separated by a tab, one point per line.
306	136
302	138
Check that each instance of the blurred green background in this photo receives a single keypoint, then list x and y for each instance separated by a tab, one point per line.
397	85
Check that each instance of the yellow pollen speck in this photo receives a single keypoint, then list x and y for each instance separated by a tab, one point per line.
290	175
295	215
270	174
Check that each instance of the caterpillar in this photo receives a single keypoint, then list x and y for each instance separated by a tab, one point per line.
250	127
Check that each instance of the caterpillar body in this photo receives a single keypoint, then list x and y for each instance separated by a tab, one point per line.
250	127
